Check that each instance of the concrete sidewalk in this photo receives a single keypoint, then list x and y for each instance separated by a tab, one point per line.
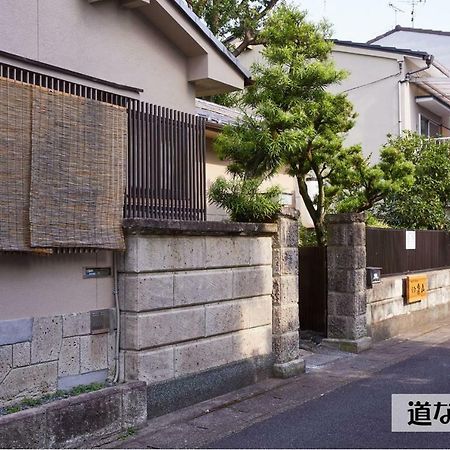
327	370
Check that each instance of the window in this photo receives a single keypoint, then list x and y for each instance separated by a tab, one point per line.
428	127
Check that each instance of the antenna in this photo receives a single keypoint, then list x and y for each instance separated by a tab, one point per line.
396	11
412	4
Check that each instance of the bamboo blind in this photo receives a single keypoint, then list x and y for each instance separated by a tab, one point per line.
69	173
15	158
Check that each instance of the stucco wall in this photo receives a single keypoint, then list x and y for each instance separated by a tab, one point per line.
101	40
388	314
376	104
39	286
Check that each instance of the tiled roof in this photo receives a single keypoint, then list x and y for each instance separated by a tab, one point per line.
201	26
413	30
382	48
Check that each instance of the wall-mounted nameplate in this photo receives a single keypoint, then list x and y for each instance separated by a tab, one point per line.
416	288
96	272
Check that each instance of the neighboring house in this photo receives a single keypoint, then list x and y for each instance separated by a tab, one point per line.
96	62
389	90
434	42
393	90
217	117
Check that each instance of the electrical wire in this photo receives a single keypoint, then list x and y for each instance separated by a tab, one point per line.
372	82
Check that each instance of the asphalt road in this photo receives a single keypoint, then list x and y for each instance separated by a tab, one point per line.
357	415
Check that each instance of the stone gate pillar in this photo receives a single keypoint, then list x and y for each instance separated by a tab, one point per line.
346	255
285	297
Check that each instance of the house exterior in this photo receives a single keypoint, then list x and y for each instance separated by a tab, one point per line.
433	41
393	90
59	312
388	94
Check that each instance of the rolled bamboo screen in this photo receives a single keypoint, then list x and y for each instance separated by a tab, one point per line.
15	160
73	151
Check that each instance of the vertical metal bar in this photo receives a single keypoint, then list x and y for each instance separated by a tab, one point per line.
159	149
197	169
153	156
171	163
194	167
134	162
143	162
190	179
202	150
188	169
179	210
197	163
128	165
132	159
193	186
153	172
147	161
165	163
138	161
186	166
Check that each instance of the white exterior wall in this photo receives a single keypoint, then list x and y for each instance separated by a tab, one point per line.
38	286
377	103
100	40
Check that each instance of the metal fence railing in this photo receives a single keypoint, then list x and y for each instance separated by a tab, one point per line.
386	248
166	164
166	150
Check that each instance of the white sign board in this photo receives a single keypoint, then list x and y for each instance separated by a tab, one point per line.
410	240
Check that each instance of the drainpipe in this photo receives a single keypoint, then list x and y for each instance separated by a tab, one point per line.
400	102
116	302
428	61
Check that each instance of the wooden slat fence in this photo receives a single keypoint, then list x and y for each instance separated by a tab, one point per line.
386	248
313	289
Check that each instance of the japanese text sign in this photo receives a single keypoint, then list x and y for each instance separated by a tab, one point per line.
416	288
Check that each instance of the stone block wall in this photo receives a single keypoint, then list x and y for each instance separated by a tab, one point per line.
192	303
346	260
389	315
42	354
285	314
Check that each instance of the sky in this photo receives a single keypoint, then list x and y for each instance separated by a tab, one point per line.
361	20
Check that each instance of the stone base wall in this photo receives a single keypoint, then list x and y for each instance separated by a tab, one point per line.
192	303
42	354
388	314
83	421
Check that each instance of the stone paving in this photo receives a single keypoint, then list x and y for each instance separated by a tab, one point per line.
326	370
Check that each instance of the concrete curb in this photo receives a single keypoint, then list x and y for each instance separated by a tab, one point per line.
81	421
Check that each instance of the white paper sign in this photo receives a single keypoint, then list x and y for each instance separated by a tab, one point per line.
410	240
